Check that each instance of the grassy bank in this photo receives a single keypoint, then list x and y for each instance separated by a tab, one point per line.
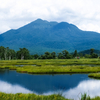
94	75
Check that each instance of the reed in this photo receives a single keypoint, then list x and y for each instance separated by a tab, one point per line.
20	96
94	75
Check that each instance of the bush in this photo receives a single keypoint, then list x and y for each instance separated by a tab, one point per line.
94	55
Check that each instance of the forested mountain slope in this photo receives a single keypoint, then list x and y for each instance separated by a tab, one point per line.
40	36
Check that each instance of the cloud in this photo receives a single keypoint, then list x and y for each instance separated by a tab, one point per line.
90	87
83	13
9	88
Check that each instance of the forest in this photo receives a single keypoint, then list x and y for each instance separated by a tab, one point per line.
23	53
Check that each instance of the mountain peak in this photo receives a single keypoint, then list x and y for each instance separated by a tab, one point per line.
62	25
40	21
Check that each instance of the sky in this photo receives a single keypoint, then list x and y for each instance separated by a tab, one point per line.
85	14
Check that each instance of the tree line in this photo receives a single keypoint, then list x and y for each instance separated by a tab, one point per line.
23	53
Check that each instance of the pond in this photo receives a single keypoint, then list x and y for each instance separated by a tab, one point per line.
70	86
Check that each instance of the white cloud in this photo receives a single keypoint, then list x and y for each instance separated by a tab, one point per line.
9	88
83	13
90	87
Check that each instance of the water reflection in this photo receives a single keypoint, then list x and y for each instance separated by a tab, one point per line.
71	86
90	87
9	88
43	83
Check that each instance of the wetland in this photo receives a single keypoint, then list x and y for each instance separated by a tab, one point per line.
50	77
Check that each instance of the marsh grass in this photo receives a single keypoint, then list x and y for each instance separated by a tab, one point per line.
20	96
52	66
85	97
94	75
51	62
96	98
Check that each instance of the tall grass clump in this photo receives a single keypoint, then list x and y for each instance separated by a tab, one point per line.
85	97
94	75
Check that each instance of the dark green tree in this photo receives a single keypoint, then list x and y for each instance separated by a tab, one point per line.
53	55
42	57
48	55
65	54
2	49
6	50
11	54
60	56
75	53
23	53
91	51
94	55
36	56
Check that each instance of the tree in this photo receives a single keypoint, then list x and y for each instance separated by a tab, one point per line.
11	54
42	57
75	53
53	54
23	53
65	54
60	56
94	55
2	49
36	56
47	55
91	51
6	52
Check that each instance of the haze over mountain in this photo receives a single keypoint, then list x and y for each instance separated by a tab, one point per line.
40	36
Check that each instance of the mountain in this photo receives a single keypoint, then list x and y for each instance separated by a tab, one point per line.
40	36
88	52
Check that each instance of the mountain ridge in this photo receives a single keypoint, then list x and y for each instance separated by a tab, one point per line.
40	36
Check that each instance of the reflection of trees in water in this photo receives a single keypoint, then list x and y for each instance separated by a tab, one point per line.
2	71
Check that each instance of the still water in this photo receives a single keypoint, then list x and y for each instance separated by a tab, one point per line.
70	86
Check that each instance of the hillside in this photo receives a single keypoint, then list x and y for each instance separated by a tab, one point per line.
88	52
40	36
